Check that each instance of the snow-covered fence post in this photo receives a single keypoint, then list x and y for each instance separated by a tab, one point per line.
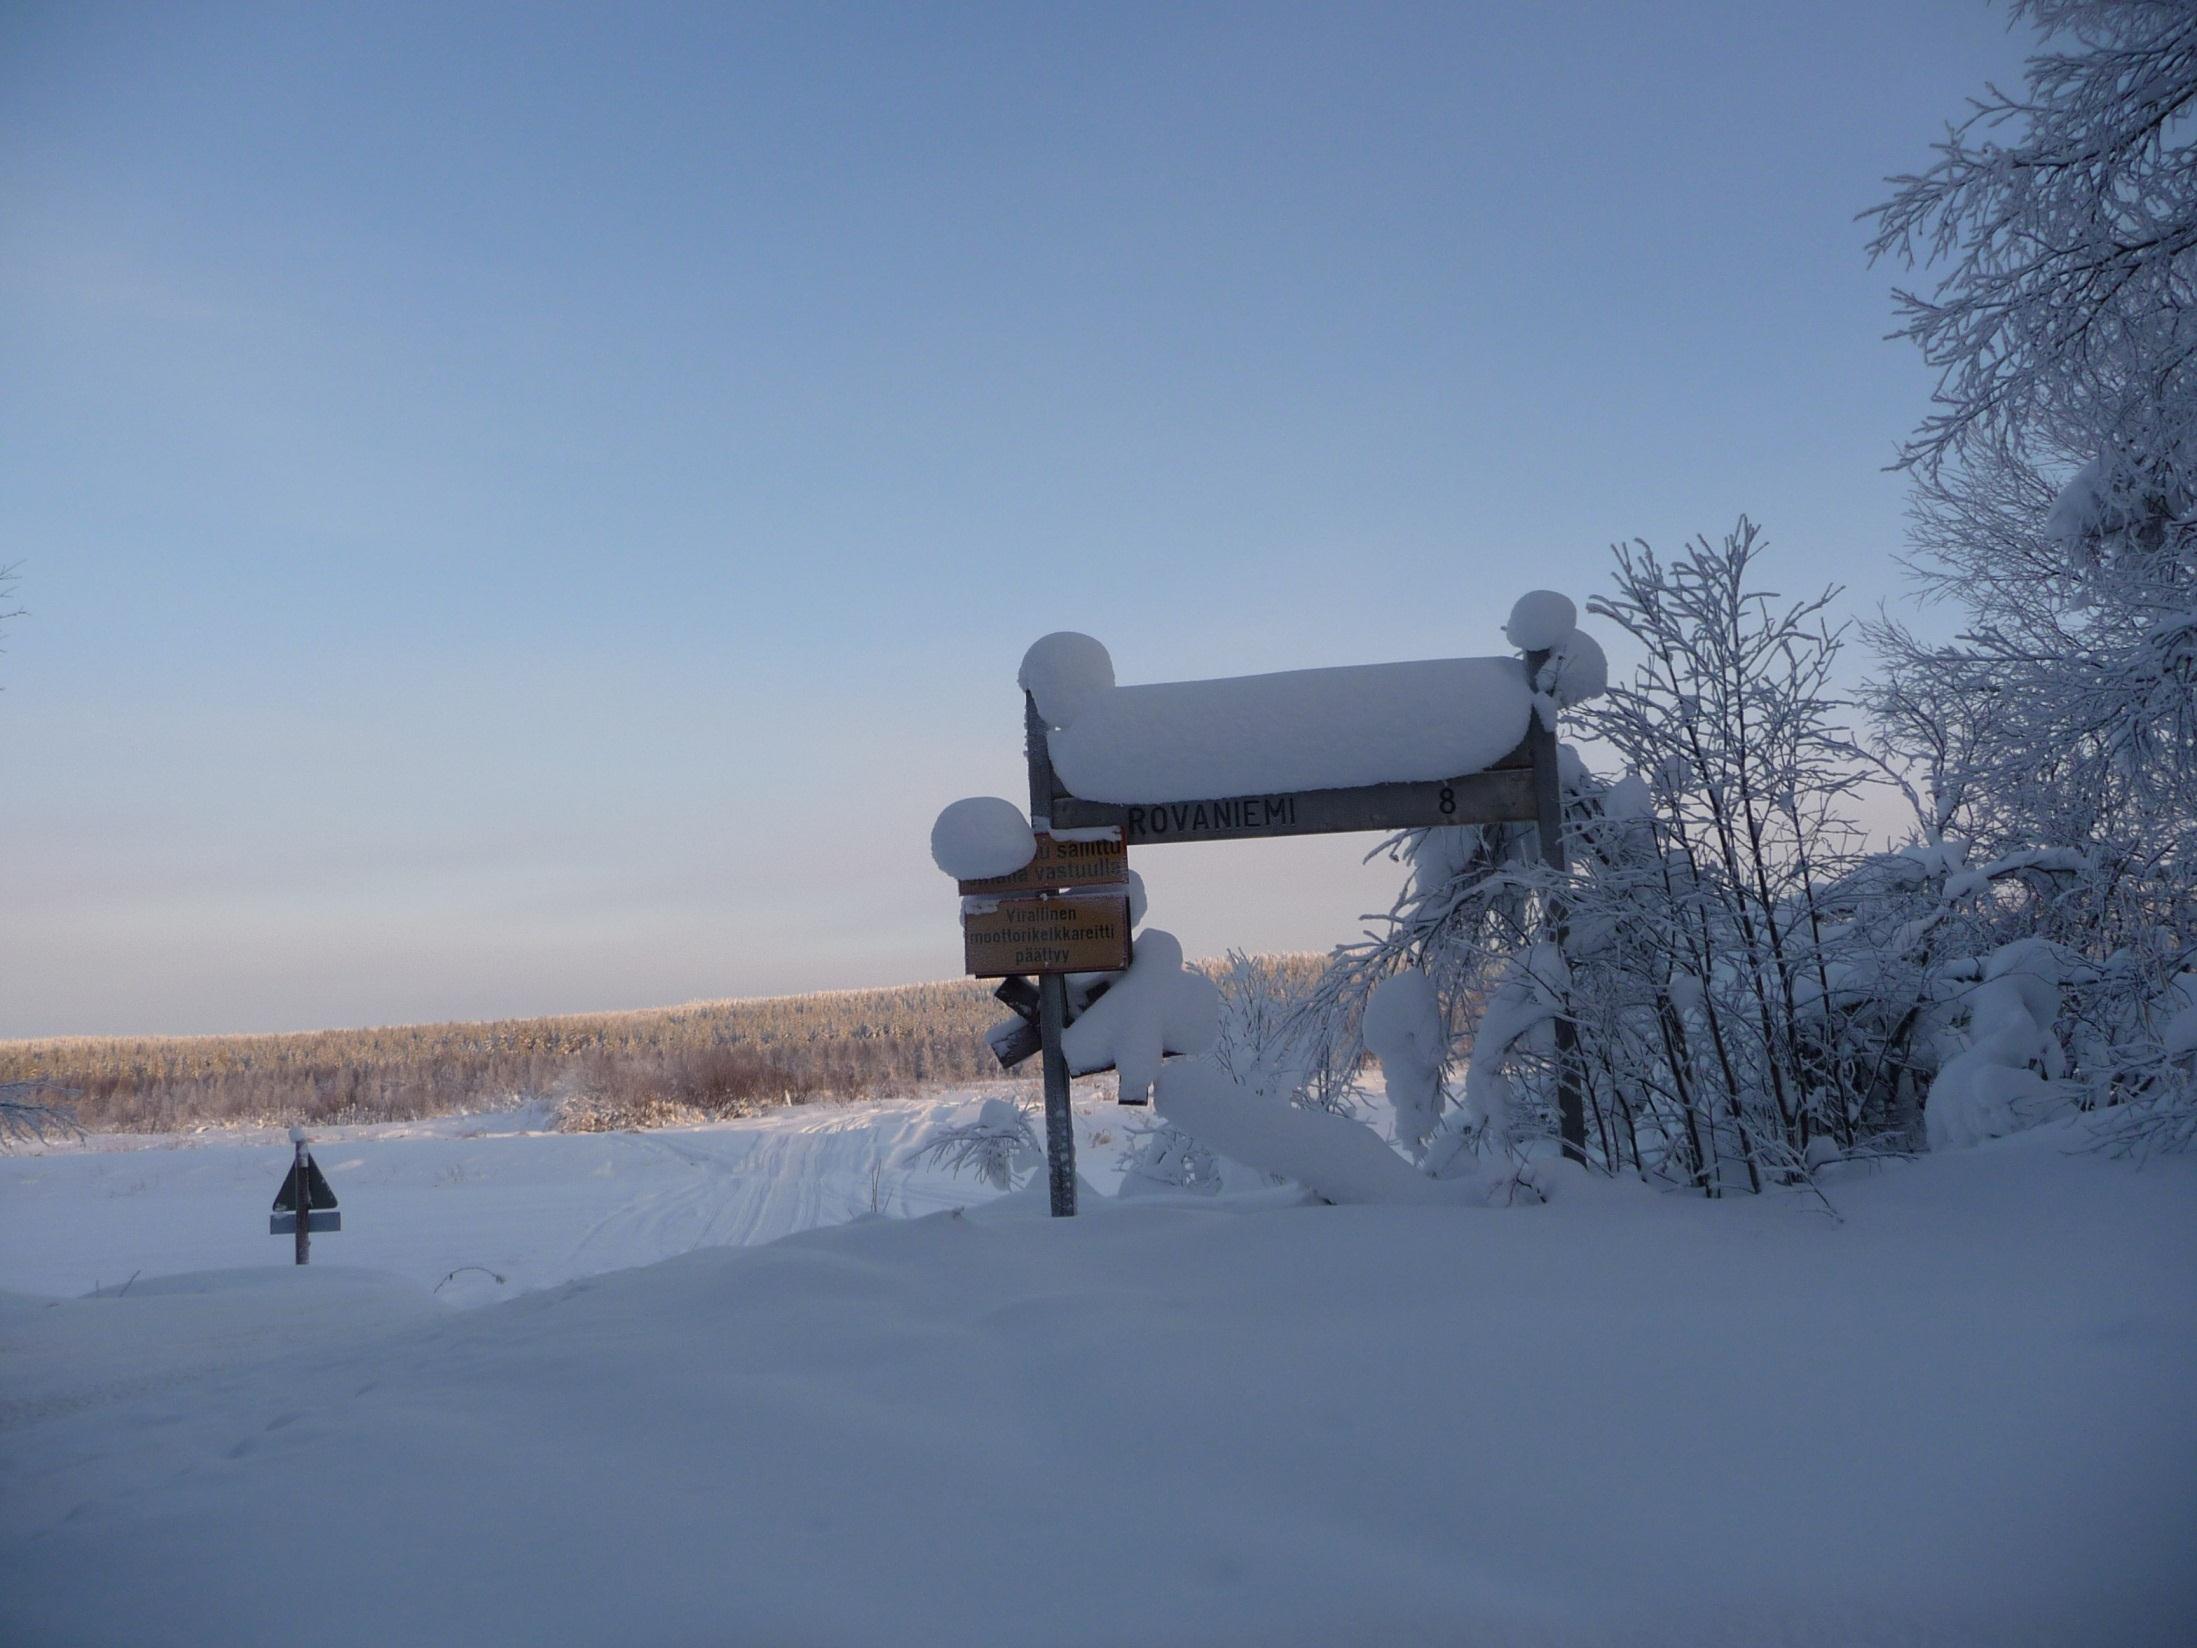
1548	810
1052	1006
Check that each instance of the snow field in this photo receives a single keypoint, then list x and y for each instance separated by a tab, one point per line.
1958	1416
421	1199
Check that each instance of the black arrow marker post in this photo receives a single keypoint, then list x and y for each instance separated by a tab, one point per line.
305	1201
304	1204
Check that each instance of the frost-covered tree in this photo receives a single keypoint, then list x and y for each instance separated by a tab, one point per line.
1751	992
2055	509
2063	223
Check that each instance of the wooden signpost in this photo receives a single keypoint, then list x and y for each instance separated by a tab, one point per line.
1095	858
304	1204
1502	794
1046	933
1522	787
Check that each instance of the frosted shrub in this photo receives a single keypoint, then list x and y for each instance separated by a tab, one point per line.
1000	1146
602	1113
1692	942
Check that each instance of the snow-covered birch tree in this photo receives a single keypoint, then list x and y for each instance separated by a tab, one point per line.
2055	507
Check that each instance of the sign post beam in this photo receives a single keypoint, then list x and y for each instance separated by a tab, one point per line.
1548	807
305	1201
1052	1016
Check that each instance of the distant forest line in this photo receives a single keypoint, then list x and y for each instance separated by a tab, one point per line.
651	1066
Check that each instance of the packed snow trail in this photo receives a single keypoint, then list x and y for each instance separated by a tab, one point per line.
1957	1417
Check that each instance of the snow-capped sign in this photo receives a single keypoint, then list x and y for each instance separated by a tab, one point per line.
1064	933
1347	727
1416	745
1087	859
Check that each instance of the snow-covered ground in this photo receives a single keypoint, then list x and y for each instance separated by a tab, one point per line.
1957	1415
421	1199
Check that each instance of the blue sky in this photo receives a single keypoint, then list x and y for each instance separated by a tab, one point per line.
534	508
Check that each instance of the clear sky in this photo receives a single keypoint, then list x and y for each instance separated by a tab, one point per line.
529	508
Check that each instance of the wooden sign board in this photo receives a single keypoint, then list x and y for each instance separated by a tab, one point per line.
1062	864
1499	795
1068	933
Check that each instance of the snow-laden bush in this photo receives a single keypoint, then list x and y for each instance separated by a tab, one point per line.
1000	1146
1258	1044
587	1111
1749	992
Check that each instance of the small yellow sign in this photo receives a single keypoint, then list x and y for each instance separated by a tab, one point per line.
1062	864
1057	933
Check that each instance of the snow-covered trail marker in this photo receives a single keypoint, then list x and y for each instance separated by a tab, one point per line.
304	1204
1367	747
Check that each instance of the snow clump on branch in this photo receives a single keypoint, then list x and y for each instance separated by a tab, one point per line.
1576	668
1403	1029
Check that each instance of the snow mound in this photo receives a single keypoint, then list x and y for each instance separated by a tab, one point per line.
1403	1029
1139	900
1156	1008
2008	1074
1309	729
1541	619
1337	1159
1061	670
980	836
1576	671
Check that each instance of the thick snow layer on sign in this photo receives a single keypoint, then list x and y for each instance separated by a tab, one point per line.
1298	730
1061	671
1541	618
1957	1418
983	835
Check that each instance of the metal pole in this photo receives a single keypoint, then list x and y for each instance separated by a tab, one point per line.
1052	1003
304	1198
1548	808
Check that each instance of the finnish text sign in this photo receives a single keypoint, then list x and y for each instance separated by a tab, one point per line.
1501	794
1061	864
1071	933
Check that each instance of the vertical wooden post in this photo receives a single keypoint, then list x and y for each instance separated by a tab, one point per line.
304	1196
1052	1001
1548	808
